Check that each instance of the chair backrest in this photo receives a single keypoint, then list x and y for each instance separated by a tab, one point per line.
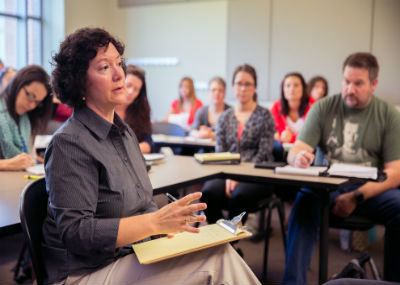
32	211
164	128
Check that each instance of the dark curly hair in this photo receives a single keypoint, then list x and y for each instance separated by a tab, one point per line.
138	113
363	60
40	116
304	98
72	62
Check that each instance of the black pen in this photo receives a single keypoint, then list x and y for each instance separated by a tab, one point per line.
173	199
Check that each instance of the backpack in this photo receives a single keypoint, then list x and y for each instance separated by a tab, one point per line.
356	268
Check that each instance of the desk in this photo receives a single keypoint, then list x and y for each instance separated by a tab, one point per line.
180	171
12	183
187	142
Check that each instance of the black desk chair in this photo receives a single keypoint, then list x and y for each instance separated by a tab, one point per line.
269	204
32	211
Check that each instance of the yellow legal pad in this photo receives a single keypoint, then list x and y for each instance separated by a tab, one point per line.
185	242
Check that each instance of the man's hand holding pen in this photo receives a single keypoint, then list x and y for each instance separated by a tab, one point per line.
303	159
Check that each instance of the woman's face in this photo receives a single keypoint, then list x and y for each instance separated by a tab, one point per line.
318	91
133	86
244	87
217	93
29	97
293	91
184	89
105	86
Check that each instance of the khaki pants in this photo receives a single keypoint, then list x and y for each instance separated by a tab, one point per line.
216	265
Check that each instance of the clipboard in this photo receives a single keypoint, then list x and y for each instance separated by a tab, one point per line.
182	243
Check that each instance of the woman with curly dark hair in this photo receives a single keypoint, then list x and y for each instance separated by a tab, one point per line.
290	111
136	110
100	195
25	109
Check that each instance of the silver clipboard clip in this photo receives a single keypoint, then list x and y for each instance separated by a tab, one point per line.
233	226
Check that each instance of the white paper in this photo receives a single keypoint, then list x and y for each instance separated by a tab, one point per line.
310	171
37	169
353	170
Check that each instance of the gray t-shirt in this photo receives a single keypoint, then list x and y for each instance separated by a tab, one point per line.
370	136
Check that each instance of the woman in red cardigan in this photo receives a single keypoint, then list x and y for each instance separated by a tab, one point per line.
187	102
290	111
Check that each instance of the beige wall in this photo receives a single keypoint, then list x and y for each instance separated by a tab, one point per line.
276	36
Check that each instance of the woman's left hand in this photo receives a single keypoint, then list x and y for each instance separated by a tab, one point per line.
176	216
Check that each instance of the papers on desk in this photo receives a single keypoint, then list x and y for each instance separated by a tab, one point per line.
37	169
218	158
336	170
185	242
310	171
42	141
353	170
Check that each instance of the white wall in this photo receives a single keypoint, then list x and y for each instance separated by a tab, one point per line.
195	33
276	36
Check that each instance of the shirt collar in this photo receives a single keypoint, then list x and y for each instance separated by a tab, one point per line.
97	124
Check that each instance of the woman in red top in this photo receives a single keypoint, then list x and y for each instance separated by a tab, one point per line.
290	111
187	102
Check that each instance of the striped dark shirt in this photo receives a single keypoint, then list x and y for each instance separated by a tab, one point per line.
95	175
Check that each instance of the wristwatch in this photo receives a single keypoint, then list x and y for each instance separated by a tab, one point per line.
359	196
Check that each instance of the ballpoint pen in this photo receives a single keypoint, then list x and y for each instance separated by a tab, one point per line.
173	199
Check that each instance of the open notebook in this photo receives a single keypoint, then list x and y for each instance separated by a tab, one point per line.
185	242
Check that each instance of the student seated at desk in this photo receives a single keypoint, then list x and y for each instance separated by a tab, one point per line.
248	129
184	108
290	111
352	127
317	88
100	195
25	109
206	117
136	109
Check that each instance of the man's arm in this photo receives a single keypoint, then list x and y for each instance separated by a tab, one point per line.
346	203
300	155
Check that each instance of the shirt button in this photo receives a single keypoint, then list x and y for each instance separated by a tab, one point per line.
137	185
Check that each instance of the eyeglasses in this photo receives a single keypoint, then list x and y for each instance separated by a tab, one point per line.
245	85
31	97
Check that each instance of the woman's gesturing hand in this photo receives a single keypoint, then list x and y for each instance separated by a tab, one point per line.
176	216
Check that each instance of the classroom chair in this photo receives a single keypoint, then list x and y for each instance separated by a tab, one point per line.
32	211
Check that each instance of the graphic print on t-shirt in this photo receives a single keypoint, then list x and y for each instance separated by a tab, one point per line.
345	146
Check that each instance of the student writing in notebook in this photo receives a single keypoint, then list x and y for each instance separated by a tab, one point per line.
354	127
25	109
100	196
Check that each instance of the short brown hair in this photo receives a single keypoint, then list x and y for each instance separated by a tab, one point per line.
363	60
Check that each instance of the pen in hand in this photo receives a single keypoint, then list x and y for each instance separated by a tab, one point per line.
173	199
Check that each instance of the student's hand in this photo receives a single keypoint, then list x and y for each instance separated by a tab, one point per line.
286	136
345	204
176	216
205	132
230	186
303	159
19	162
